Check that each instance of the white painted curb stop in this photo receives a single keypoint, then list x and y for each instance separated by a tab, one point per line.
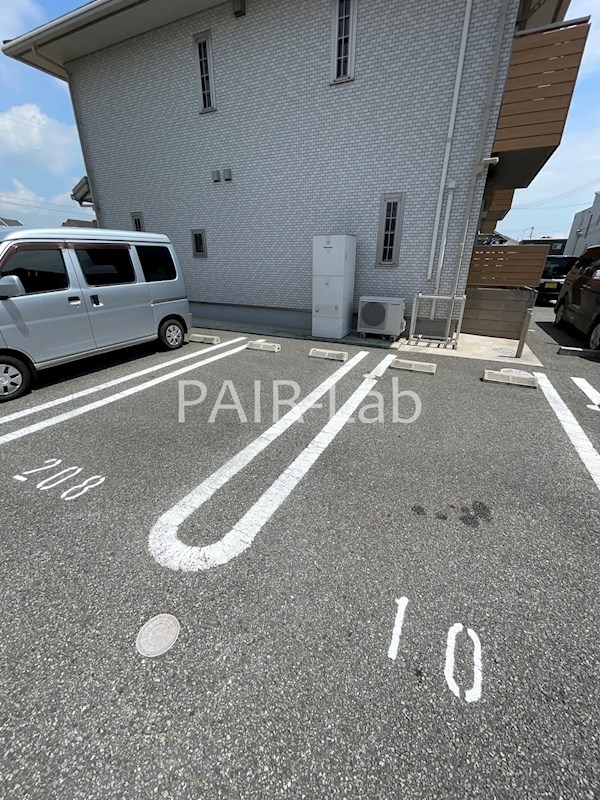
509	377
200	337
578	351
271	347
414	366
335	355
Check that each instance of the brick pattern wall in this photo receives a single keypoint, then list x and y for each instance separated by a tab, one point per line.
306	157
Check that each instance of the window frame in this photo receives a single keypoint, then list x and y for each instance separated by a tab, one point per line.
196	253
335	5
19	247
205	36
138	215
162	247
390	197
75	246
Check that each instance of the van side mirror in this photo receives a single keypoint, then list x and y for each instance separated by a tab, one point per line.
11	286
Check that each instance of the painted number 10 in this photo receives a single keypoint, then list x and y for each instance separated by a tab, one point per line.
62	476
471	695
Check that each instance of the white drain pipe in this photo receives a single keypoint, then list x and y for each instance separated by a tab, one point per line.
485	123
450	135
438	274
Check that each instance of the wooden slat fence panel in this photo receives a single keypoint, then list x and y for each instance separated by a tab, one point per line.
539	87
521	265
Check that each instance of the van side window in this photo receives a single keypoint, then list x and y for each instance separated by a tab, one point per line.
105	266
39	270
157	263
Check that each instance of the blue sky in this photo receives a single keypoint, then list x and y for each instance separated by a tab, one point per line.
40	156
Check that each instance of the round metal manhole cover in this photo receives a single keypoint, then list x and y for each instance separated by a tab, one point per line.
157	635
373	314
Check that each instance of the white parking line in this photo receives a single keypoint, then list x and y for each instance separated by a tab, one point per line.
585	449
164	543
25	412
77	412
589	391
397	632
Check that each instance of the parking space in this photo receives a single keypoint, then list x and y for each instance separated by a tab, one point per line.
380	595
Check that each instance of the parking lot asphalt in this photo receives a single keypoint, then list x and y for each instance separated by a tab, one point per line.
322	657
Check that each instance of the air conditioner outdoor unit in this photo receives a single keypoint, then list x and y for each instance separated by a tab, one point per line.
383	315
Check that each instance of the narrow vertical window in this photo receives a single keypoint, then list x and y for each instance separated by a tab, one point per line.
207	81
390	228
199	243
344	36
137	221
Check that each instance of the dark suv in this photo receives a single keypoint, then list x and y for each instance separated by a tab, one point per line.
553	276
579	299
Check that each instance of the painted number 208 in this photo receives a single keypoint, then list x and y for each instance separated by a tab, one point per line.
471	695
62	476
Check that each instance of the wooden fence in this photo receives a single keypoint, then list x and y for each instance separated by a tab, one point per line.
501	265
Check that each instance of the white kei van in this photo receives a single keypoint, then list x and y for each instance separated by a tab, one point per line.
68	293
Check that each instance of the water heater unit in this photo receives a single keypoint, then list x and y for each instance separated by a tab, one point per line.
334	258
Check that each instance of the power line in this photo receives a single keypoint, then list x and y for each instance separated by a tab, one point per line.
30	205
563	196
547	208
39	126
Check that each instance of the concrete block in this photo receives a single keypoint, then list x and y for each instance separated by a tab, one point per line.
414	366
270	347
578	351
335	355
497	376
200	337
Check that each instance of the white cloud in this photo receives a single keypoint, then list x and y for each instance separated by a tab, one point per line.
36	211
28	134
18	16
591	55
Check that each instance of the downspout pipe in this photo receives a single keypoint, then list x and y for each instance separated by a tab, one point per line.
438	275
450	135
477	167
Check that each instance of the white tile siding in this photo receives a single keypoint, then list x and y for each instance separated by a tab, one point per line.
307	157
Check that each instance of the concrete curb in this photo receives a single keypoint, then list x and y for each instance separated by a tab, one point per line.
524	379
578	351
335	355
270	347
204	339
414	366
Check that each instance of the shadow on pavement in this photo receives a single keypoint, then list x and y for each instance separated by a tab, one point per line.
93	364
563	336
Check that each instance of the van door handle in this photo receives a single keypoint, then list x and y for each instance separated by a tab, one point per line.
96	301
74	300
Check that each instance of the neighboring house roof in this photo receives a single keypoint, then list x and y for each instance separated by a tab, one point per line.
6	222
79	223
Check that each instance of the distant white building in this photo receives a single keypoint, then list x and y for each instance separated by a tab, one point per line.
585	230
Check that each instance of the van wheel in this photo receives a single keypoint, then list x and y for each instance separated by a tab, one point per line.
559	315
595	337
15	378
171	334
